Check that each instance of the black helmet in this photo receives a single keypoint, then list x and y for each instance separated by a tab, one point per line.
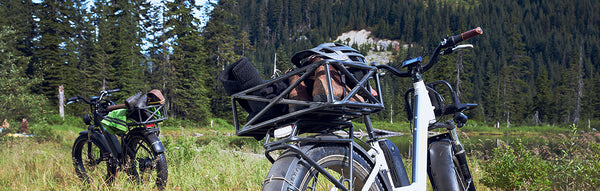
330	50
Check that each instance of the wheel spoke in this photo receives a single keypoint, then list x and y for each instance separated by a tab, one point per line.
333	158
144	163
91	161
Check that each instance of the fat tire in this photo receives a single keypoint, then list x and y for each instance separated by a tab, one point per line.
81	162
444	170
291	172
140	153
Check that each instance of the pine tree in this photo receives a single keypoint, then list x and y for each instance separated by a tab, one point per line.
105	42
18	16
121	37
514	88
492	94
220	35
54	48
563	97
85	49
542	101
190	90
128	59
17	99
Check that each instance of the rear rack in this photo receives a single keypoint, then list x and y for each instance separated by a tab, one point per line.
147	115
331	109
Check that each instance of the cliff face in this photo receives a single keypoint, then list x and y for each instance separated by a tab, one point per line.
379	50
364	37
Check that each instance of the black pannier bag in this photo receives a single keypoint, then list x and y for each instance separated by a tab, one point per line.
242	75
134	103
146	108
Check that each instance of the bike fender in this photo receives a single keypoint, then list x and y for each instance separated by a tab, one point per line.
439	157
395	163
153	140
157	144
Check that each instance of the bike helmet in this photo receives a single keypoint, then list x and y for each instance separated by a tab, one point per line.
331	51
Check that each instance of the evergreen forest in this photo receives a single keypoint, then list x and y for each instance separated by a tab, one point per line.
536	63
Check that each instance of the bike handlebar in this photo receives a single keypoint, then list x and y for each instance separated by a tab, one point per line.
102	94
447	42
394	70
77	99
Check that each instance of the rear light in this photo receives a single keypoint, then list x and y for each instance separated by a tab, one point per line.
283	131
150	125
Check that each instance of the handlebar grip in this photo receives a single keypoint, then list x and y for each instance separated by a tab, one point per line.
453	40
113	107
471	33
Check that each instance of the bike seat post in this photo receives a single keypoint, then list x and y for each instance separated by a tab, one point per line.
369	127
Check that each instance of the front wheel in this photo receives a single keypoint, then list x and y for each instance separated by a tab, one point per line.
92	160
291	172
144	164
445	172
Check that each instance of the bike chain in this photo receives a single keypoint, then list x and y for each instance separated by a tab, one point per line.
279	178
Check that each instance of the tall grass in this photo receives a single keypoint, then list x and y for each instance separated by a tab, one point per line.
213	165
570	163
213	158
474	127
31	165
213	161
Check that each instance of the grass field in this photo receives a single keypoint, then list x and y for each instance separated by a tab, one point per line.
199	158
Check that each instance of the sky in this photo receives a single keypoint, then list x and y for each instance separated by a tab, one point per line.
201	14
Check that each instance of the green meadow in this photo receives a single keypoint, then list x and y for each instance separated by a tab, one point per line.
213	158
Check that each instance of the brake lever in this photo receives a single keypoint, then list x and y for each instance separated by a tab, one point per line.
72	100
462	46
451	50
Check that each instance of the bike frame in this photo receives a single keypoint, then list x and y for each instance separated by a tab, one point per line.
286	130
424	116
96	129
117	148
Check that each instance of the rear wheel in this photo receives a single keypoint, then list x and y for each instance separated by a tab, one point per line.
144	164
290	172
92	161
